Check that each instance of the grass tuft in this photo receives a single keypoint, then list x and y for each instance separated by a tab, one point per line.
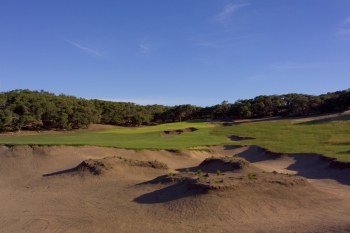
251	176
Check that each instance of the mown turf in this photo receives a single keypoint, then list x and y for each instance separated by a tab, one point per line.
133	138
329	137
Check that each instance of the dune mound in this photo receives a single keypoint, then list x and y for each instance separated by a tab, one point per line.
204	182
169	133
152	164
228	173
96	167
99	166
118	190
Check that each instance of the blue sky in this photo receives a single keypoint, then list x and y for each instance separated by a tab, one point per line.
198	52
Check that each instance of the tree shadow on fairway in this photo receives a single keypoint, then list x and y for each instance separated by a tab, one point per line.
344	152
345	117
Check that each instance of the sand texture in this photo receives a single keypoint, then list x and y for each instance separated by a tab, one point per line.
227	189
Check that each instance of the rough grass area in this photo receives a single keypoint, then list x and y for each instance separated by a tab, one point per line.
330	137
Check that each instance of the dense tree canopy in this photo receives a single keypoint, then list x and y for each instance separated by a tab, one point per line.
36	110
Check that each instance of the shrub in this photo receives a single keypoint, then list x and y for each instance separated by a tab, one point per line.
218	172
187	170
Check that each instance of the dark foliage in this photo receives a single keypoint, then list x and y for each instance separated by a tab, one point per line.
36	110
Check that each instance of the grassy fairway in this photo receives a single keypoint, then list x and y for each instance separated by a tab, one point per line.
134	138
328	137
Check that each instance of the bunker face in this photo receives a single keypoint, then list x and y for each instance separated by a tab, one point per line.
61	189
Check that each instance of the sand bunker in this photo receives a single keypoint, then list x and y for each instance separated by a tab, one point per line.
177	132
225	173
53	189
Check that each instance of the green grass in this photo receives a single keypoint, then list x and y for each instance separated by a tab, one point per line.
328	137
132	138
251	175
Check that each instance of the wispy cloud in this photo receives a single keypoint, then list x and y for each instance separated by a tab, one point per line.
143	48
293	65
343	31
346	20
86	49
228	10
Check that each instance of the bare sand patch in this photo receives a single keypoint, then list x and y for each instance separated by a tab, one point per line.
39	192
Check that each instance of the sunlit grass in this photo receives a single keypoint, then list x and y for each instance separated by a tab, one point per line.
329	137
133	138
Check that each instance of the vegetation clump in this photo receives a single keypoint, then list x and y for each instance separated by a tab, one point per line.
25	109
251	176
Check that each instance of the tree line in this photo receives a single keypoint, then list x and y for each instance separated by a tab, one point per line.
38	110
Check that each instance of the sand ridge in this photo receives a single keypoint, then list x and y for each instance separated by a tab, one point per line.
42	191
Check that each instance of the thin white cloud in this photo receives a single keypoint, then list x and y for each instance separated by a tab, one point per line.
343	31
346	20
293	65
228	10
86	49
143	48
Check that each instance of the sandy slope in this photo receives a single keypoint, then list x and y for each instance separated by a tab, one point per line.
41	191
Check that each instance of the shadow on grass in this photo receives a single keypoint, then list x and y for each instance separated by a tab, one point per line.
345	117
344	152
